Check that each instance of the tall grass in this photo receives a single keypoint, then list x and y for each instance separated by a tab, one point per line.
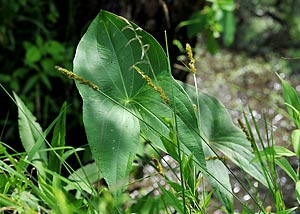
30	185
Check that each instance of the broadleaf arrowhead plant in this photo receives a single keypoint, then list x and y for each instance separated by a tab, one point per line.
128	106
136	94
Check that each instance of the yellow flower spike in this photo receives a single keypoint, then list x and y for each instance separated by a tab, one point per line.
195	107
245	130
152	85
158	165
222	158
189	51
80	79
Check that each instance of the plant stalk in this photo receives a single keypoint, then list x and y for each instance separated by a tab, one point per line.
175	130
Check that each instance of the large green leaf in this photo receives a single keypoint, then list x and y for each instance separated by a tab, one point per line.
187	127
126	105
220	181
223	137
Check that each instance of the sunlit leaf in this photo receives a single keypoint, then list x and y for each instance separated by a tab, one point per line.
222	136
128	105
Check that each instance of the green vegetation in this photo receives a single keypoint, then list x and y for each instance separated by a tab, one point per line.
134	109
211	21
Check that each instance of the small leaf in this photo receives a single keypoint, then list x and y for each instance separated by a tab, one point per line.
32	55
207	199
297	188
211	43
63	204
228	27
147	204
227	5
48	65
170	147
30	84
188	171
171	199
289	211
5	78
55	49
39	42
30	132
84	177
46	81
292	100
195	24
58	141
286	166
29	200
176	186
276	151
3	181
282	151
296	142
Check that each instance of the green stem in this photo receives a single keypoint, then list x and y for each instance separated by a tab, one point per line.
298	170
198	103
175	129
